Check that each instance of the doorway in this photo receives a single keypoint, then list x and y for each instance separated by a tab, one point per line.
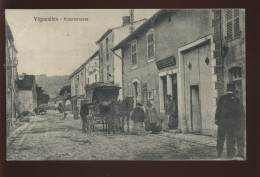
164	79
196	122
135	85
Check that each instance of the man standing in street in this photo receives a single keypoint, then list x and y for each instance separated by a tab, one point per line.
229	118
84	111
169	110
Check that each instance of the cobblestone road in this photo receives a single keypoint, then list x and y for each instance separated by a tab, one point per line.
50	139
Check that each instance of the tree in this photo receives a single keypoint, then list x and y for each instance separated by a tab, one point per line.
65	89
42	97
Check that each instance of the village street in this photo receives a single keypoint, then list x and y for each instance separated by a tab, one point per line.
52	139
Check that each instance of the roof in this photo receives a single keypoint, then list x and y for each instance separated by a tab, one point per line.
145	26
58	98
102	85
84	64
26	83
8	32
111	29
9	35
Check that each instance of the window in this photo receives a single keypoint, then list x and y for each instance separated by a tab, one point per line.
134	52
236	73
108	74
101	53
107	55
150	94
232	20
95	77
150	44
88	80
101	75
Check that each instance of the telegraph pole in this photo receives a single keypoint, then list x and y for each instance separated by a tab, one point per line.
132	27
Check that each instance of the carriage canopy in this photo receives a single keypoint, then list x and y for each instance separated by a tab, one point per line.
98	92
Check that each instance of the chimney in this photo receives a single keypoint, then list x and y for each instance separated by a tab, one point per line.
126	20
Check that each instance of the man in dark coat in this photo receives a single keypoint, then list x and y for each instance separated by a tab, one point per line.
169	111
229	118
84	111
138	116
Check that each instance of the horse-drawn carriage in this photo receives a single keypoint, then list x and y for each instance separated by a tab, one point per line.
104	107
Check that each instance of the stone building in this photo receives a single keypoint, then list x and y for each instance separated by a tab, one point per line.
229	38
110	64
87	73
27	95
11	76
173	53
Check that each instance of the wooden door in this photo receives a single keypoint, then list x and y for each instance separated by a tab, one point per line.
205	87
197	71
195	109
191	77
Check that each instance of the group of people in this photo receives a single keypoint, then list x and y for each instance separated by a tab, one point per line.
152	121
230	118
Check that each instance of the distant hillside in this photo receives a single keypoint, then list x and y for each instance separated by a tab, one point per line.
52	84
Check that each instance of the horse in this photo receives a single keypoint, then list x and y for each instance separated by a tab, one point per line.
126	106
106	115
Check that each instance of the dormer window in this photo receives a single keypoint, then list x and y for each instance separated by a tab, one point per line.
134	52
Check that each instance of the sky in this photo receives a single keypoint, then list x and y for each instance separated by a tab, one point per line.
60	47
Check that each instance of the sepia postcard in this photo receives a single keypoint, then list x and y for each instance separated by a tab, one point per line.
125	84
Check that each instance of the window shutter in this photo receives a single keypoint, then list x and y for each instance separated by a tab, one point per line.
236	13
229	30
236	23
229	14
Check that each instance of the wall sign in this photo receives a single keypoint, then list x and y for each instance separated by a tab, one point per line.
166	62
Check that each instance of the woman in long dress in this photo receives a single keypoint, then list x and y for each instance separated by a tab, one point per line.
153	119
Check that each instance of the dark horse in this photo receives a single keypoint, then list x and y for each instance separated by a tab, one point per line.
126	106
107	115
113	114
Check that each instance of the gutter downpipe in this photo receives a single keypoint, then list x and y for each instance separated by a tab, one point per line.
121	71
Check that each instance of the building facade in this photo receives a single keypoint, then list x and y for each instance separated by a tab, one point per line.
175	52
87	73
11	76
27	95
230	54
110	65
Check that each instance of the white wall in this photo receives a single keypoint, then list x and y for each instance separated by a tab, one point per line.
118	75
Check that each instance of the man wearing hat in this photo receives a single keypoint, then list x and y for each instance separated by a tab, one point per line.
138	116
230	120
169	110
